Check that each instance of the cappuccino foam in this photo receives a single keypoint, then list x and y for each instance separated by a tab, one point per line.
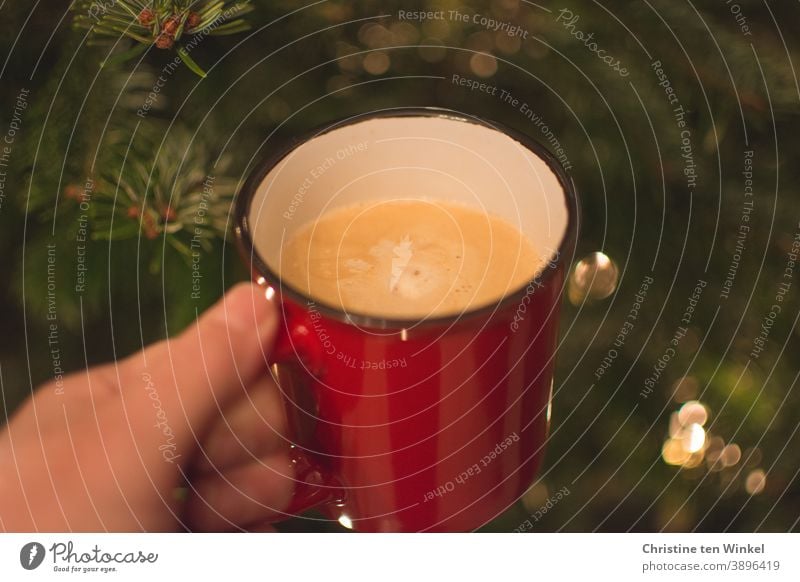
408	259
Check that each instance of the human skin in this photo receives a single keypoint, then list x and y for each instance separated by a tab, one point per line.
186	434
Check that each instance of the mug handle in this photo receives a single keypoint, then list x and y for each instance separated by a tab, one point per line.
297	347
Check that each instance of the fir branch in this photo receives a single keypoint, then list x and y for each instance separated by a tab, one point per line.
160	23
170	195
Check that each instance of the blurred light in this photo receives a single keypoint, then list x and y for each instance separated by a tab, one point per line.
404	335
755	482
347	59
693	412
483	65
674	453
689	443
374	35
404	33
716	466
694	437
363	32
675	425
693	461
433	53
714	460
714	449
506	44
270	293
594	277
345	521
730	455
376	63
685	389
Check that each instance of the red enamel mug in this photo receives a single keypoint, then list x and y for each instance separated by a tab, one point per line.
437	424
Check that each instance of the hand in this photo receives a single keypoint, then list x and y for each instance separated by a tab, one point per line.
186	434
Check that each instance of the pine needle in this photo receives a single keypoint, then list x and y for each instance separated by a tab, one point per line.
160	23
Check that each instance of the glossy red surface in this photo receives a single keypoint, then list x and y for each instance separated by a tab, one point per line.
437	428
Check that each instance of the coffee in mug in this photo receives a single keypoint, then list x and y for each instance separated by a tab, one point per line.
408	259
412	406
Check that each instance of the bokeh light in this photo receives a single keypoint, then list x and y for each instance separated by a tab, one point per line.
376	63
693	412
483	65
594	277
756	482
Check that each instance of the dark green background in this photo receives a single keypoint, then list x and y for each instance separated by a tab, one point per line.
740	91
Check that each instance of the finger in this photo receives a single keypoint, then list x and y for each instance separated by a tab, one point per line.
48	401
183	383
250	428
246	495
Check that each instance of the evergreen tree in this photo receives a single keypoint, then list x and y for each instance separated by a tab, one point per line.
132	118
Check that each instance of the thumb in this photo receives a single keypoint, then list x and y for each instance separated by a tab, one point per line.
184	382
